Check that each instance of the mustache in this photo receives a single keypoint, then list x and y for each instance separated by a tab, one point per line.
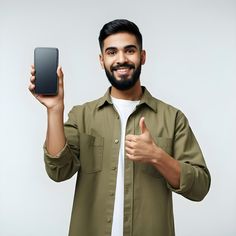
124	65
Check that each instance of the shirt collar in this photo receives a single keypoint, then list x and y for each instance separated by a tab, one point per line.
105	100
146	99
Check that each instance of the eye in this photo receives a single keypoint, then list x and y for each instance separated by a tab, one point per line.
111	52
130	51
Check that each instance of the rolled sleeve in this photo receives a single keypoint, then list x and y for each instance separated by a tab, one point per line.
48	155
66	163
186	179
194	175
62	167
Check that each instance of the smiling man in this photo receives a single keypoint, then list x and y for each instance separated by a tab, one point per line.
130	150
122	61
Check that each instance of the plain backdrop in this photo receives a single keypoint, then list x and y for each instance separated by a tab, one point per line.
191	64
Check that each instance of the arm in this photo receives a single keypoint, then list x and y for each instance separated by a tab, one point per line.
185	172
55	138
61	158
67	162
195	177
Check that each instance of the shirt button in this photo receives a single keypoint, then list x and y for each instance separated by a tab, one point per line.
112	194
108	220
114	168
116	141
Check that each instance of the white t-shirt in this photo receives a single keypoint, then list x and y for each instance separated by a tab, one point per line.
124	108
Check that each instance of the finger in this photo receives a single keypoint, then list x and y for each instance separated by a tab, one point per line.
131	138
132	151
128	149
60	72
127	144
142	125
136	158
130	144
32	71
60	76
31	88
32	79
130	156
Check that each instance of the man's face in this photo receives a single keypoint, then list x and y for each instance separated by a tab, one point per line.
122	60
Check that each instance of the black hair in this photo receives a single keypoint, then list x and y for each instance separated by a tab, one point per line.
118	26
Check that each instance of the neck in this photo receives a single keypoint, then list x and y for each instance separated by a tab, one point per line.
132	94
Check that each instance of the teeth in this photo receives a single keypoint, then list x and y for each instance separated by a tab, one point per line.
124	69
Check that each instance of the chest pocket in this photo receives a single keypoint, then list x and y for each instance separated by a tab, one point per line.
166	145
91	153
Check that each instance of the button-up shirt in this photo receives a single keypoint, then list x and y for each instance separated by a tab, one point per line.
93	135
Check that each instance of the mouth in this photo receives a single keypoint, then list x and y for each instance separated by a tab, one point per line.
123	71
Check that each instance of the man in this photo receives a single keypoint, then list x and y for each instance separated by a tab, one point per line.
130	150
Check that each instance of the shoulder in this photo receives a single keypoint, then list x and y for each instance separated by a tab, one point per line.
87	107
164	109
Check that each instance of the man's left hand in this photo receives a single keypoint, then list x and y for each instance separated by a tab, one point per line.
141	147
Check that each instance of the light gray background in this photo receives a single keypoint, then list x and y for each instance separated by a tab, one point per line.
191	64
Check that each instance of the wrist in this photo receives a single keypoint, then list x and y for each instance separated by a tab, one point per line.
59	109
158	154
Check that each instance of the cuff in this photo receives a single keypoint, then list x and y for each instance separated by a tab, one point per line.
186	178
58	154
60	159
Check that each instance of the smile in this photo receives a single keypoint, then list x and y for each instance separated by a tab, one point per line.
123	71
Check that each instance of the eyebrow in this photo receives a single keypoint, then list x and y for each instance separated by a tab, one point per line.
131	46
126	47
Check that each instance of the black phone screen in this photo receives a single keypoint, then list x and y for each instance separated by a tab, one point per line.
46	63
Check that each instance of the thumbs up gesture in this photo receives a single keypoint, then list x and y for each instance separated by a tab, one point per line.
141	147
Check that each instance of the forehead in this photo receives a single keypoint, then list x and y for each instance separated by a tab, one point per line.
120	40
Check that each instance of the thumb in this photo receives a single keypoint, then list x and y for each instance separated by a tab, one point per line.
60	74
142	126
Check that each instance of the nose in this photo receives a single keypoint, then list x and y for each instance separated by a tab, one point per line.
121	58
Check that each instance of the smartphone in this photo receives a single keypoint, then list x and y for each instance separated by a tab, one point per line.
46	63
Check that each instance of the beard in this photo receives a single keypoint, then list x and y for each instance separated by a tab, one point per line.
124	83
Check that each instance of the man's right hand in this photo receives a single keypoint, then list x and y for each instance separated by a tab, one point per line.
52	103
55	137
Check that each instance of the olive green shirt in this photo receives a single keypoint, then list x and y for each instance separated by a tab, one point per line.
93	137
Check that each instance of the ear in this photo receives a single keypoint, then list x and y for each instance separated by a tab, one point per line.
101	60
143	57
